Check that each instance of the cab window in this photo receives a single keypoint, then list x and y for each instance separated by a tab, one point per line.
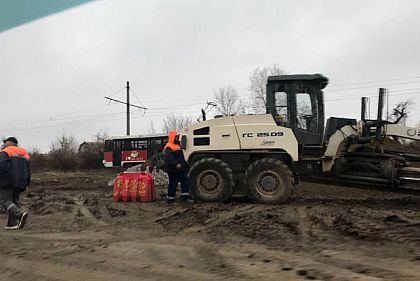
306	109
281	108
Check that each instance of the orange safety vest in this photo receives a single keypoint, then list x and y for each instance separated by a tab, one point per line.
171	138
16	151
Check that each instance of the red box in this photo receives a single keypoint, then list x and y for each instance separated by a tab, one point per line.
134	186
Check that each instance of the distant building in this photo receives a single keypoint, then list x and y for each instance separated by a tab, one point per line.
91	147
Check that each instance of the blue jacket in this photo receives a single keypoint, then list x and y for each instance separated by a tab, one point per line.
172	158
14	171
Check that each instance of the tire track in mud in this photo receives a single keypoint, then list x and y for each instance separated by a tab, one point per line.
409	202
369	265
304	222
52	271
217	264
74	206
198	217
155	260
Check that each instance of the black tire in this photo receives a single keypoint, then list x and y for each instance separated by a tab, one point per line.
269	181
211	180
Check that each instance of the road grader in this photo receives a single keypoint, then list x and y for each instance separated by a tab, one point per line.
264	155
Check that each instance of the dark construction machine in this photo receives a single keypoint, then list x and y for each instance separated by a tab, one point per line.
262	155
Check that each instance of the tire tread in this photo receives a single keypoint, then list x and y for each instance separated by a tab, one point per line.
227	171
268	161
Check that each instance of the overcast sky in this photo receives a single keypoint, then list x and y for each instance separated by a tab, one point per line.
56	71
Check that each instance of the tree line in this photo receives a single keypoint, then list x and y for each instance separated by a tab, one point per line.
67	154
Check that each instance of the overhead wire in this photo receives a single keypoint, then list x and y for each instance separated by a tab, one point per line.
54	116
176	106
116	92
378	81
329	90
243	98
174	100
372	96
67	118
66	124
131	91
50	117
373	86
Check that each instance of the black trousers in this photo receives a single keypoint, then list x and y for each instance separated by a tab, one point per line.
11	197
174	179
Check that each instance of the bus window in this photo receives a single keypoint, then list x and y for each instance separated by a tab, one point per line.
134	150
126	145
136	145
109	145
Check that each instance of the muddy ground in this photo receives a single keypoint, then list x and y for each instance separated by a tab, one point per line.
76	232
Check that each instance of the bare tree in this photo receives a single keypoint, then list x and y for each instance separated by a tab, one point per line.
176	122
101	135
64	144
228	102
400	112
63	154
151	129
39	160
258	81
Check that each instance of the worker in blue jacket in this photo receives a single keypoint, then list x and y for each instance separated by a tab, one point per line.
177	169
15	176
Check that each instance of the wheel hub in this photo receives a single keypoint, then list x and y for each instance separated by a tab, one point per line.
209	181
268	183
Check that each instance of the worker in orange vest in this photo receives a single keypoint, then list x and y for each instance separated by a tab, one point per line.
177	169
15	176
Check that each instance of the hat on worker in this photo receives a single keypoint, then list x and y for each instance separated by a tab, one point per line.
11	139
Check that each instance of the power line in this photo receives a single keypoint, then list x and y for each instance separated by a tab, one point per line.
86	116
171	101
168	113
141	107
372	96
136	97
63	125
330	89
116	92
373	86
175	106
53	119
69	118
362	94
242	98
54	116
378	81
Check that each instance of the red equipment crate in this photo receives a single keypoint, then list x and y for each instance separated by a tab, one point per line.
134	186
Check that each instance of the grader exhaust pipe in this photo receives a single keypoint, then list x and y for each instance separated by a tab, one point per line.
364	106
380	112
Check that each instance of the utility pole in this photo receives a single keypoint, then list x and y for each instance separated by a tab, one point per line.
127	103
128	108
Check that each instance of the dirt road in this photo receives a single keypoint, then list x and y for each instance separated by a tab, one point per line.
76	232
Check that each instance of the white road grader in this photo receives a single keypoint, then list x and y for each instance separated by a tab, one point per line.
263	155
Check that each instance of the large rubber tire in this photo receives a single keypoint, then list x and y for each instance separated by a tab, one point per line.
269	181
211	180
